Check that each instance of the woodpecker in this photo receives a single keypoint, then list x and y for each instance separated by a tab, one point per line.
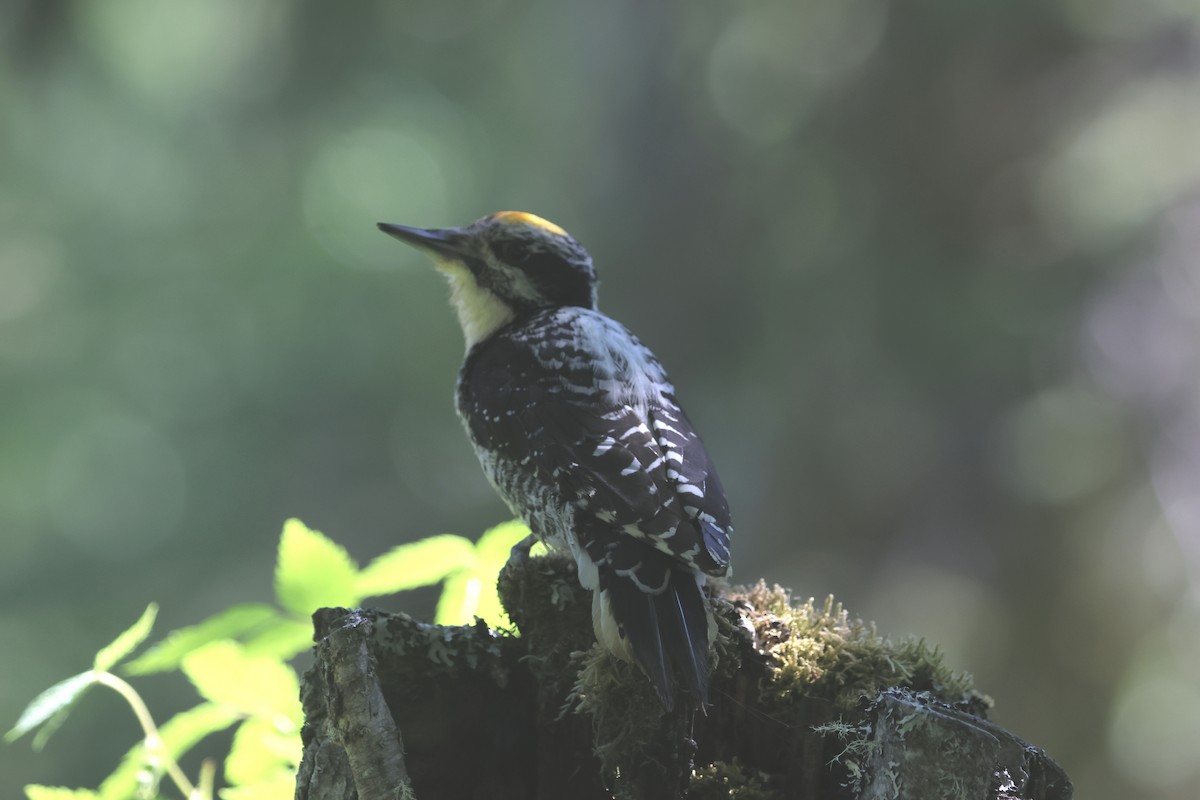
577	427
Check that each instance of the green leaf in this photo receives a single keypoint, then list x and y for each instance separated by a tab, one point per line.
128	641
488	607
313	571
282	639
260	751
415	564
257	685
459	599
51	726
228	624
55	701
35	792
494	550
497	543
179	734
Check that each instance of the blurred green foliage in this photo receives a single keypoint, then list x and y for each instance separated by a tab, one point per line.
923	272
237	661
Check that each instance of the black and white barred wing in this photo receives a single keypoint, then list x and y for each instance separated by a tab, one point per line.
644	473
648	473
652	518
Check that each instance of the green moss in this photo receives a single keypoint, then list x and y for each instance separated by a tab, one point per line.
792	654
822	652
626	714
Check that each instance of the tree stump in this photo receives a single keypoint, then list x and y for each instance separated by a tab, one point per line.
806	703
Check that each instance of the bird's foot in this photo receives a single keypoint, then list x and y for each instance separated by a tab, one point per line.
519	555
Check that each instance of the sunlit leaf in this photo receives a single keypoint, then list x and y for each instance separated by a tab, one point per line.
488	606
313	571
35	792
128	641
260	751
228	624
459	599
415	564
495	545
492	553
225	673
54	701
179	734
282	639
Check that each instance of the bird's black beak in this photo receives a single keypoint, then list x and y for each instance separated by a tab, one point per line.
445	242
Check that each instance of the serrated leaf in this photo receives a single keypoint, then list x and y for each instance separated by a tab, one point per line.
282	640
495	545
257	685
420	563
228	624
492	552
35	792
459	599
179	734
279	787
58	698
128	641
313	571
260	751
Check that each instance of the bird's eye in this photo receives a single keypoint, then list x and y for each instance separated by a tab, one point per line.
554	276
513	253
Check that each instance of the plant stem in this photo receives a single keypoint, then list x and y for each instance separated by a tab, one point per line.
153	741
208	774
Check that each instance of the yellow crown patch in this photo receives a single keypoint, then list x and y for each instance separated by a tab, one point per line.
524	218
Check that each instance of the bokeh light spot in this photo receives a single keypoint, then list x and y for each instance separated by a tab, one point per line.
1124	166
386	171
770	63
115	487
944	606
1153	732
180	54
1063	443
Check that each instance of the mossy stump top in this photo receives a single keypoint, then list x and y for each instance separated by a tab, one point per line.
806	702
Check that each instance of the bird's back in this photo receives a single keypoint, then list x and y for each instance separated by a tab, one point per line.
577	427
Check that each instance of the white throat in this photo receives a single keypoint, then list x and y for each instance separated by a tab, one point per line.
480	313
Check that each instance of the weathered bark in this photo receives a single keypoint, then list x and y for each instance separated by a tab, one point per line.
358	745
806	704
932	750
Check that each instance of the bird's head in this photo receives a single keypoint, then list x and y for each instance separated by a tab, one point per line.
504	265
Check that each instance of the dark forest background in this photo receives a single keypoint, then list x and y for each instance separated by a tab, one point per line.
925	273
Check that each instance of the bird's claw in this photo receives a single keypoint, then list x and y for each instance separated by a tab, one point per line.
519	555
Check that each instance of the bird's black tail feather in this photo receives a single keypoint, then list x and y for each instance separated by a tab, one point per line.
668	631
